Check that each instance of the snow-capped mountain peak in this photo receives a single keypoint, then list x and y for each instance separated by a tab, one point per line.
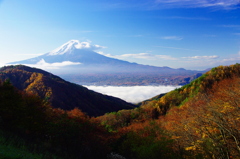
72	45
66	48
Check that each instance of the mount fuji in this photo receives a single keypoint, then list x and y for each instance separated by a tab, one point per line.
80	56
76	59
75	52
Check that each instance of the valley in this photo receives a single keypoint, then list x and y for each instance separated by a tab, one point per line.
75	62
197	120
60	93
197	117
130	79
132	94
120	79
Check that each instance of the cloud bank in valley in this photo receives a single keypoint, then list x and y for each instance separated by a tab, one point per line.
42	64
133	94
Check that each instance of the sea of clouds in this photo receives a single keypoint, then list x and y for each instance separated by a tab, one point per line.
132	94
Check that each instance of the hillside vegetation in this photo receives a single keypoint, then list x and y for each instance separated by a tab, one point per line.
33	128
200	120
60	93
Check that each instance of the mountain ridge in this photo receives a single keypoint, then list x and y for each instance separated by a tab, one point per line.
78	62
60	93
84	56
201	119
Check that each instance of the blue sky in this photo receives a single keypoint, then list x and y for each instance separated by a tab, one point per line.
191	34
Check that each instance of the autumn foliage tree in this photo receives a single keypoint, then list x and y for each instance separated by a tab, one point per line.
69	134
201	118
209	123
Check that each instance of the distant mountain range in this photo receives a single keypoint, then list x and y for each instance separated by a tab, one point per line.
75	52
60	93
78	57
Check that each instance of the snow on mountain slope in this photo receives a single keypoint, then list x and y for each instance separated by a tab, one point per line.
78	57
72	45
76	52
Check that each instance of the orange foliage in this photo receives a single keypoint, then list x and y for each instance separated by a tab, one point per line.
76	113
209	123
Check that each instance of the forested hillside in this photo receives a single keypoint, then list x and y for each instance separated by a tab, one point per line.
31	128
60	93
200	120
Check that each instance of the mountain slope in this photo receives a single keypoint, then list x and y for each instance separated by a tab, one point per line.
201	119
161	104
60	93
82	58
74	51
202	84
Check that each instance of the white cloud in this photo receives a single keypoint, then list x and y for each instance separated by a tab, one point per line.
3	64
102	53
210	61
57	65
177	48
87	45
191	62
202	57
133	94
186	18
146	56
229	60
171	38
138	56
226	4
231	26
232	59
165	57
162	4
236	59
